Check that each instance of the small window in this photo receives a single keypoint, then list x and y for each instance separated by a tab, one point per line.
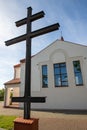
44	76
60	75
77	73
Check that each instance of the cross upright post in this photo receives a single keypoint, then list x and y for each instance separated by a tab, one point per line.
27	93
27	98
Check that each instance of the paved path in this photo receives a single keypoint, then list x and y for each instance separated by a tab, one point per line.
52	120
2	129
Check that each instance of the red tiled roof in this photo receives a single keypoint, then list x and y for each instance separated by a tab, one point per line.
23	60
13	81
17	65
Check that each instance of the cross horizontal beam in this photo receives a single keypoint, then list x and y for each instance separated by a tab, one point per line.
44	30
32	18
29	99
15	40
33	34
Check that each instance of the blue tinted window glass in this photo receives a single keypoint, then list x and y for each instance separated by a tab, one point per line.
78	78
56	65
57	70
63	70
60	75
64	77
57	81
45	81
77	73
44	76
76	66
44	69
62	64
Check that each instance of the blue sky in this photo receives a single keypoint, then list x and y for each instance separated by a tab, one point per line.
70	14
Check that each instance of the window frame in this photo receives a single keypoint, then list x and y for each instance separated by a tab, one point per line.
78	72
60	66
46	76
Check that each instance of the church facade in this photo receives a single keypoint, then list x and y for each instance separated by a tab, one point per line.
59	73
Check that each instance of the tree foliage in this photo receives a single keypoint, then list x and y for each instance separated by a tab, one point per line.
1	94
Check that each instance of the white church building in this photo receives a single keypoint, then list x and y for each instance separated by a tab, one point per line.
59	72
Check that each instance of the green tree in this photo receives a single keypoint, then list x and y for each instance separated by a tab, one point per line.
1	94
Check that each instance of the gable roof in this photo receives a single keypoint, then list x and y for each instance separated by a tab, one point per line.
13	81
62	41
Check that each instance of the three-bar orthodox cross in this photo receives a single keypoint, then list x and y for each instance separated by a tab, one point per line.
27	99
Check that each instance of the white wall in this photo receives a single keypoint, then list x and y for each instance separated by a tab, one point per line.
71	97
17	72
63	98
22	77
7	93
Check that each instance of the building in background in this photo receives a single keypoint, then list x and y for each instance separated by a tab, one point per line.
59	72
12	87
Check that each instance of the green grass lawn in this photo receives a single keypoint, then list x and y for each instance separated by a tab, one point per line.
6	122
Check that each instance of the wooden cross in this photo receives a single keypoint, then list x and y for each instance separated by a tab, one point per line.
27	99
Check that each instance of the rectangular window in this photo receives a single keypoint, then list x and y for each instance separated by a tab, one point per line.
77	73
44	76
60	75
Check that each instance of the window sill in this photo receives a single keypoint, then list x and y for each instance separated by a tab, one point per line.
61	86
79	85
44	87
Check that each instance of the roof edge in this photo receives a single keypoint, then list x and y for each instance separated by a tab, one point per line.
13	81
